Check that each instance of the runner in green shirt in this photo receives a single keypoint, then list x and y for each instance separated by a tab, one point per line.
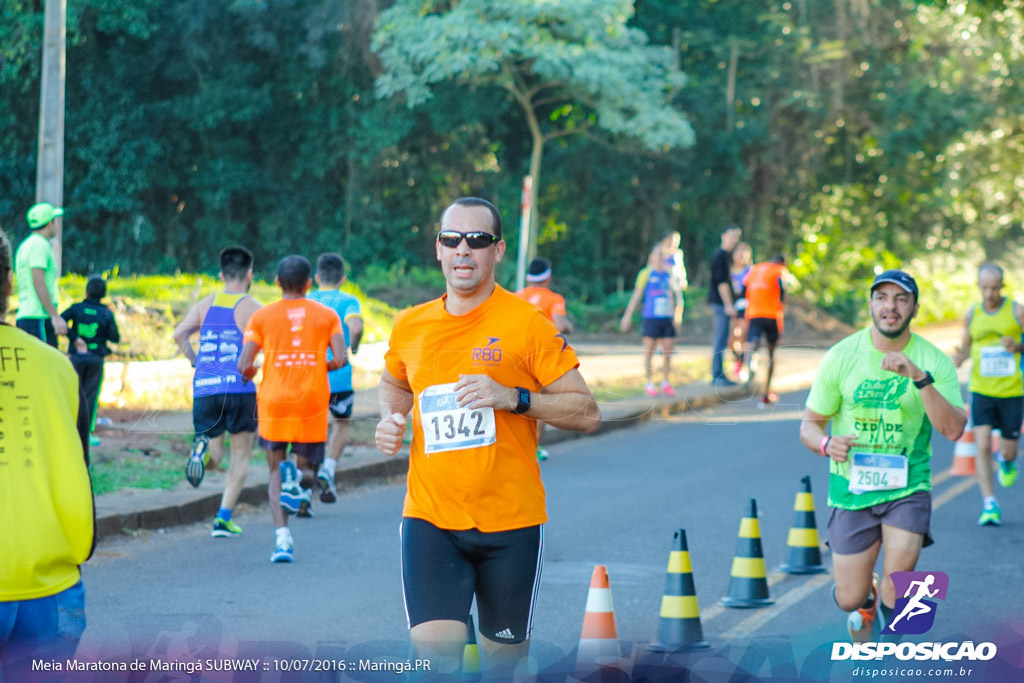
884	389
36	270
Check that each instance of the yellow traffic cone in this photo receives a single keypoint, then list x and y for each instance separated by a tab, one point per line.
679	629
804	545
471	653
748	586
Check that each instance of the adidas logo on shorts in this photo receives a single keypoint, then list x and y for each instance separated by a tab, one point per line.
504	634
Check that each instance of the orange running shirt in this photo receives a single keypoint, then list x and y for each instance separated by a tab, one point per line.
490	487
292	398
764	296
543	298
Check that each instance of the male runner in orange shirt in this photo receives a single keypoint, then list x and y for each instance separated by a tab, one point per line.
292	399
476	367
765	293
553	306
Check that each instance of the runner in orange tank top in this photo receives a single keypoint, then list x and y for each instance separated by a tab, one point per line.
476	368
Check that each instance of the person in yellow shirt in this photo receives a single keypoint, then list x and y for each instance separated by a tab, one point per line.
476	368
992	334
47	521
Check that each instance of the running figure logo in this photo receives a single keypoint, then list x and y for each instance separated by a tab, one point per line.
914	613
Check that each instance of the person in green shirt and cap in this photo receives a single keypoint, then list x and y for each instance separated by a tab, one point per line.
884	389
36	270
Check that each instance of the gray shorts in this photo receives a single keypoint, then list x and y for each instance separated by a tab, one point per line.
854	531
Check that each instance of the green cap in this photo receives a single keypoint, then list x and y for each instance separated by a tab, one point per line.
41	214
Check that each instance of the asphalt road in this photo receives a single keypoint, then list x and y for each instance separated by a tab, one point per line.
616	500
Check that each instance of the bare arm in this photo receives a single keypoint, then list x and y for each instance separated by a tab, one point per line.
566	403
725	291
950	421
190	325
963	352
355	332
627	317
396	399
340	358
39	284
563	323
812	434
246	358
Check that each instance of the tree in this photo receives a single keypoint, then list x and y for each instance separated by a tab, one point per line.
574	67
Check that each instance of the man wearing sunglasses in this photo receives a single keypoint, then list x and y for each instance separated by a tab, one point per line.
477	368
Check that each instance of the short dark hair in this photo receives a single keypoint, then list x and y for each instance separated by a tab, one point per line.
95	288
235	262
293	273
779	259
331	268
478	202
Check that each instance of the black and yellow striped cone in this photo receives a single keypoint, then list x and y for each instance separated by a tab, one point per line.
470	654
748	586
803	543
679	629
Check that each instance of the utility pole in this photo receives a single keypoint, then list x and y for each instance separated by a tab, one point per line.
50	159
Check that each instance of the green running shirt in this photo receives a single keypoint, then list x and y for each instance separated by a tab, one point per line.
882	408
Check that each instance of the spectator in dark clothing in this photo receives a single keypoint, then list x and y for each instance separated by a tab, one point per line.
90	326
720	298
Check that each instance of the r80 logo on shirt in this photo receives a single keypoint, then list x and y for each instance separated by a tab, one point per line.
489	354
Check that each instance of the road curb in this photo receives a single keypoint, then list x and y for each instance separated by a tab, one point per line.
204	508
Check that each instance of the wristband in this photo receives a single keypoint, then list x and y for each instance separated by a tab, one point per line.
824	444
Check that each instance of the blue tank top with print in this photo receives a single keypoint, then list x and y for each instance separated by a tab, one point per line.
220	343
658	295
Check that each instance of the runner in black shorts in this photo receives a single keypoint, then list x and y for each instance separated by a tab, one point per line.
442	570
222	400
661	308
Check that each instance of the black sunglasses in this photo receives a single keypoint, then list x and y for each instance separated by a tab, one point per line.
475	240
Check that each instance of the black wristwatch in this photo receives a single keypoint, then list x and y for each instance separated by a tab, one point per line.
522	401
925	381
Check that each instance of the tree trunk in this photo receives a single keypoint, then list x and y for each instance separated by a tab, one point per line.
536	157
730	87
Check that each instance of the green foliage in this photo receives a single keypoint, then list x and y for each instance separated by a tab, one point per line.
849	135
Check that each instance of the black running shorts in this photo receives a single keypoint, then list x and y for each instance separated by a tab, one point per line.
231	413
769	327
313	452
658	328
441	570
1003	414
341	404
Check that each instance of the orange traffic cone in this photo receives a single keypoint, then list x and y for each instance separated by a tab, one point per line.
748	585
679	629
599	640
965	451
803	543
470	654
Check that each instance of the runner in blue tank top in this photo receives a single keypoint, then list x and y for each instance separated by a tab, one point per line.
662	307
222	400
330	274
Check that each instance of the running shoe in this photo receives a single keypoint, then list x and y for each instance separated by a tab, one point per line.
991	515
542	453
305	504
1007	473
291	493
723	381
860	621
282	551
196	467
222	529
94	440
668	389
328	489
650	389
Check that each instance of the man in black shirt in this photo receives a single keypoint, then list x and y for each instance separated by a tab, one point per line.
720	300
90	326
